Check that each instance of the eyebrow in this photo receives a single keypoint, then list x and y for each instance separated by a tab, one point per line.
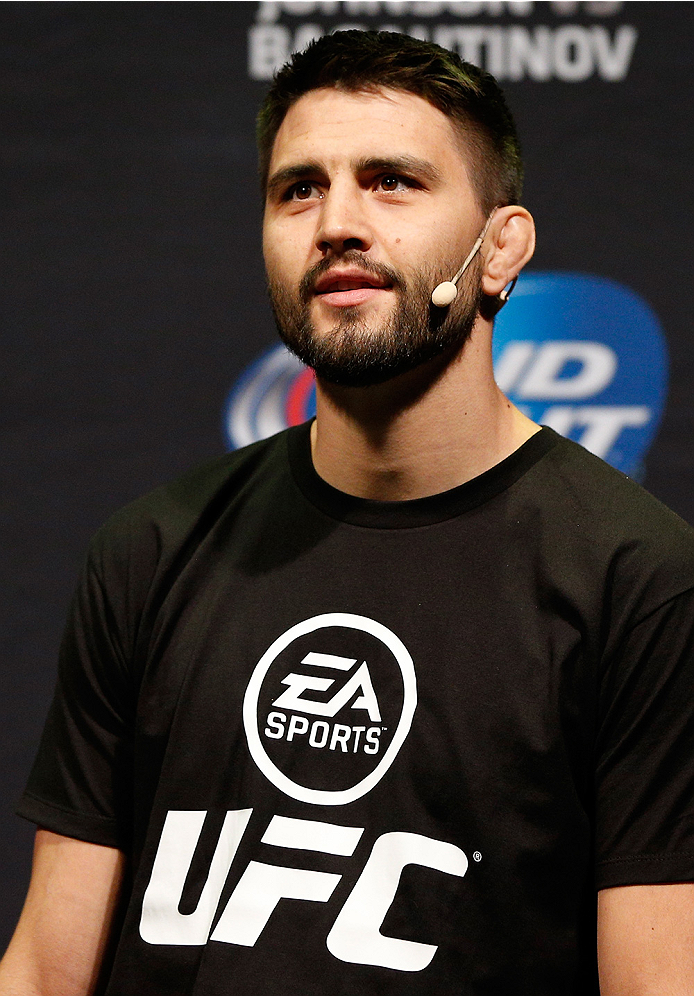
370	164
399	164
290	174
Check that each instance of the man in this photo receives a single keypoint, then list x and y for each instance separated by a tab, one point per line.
377	705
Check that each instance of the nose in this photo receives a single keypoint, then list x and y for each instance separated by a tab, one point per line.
343	221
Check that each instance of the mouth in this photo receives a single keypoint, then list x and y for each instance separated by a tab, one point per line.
345	288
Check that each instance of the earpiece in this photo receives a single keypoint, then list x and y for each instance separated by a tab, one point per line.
505	295
445	293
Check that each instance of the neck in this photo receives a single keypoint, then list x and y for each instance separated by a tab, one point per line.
421	433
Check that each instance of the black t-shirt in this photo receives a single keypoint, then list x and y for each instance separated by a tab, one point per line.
365	747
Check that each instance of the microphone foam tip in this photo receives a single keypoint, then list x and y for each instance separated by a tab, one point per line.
444	294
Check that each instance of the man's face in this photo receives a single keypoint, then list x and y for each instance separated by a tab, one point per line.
369	205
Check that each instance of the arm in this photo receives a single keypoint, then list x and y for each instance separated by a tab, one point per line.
646	940
64	928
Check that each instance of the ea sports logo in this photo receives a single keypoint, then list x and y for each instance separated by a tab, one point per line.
329	706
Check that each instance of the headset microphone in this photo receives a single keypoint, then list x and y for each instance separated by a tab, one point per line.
445	293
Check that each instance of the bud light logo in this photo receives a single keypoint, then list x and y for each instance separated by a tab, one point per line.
587	357
582	354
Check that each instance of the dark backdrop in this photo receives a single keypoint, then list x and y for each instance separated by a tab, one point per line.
133	289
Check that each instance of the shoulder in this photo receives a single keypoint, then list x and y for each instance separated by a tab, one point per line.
614	504
611	524
170	522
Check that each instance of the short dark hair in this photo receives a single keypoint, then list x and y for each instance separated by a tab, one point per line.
366	61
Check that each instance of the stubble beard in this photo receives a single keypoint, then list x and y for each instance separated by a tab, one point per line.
353	354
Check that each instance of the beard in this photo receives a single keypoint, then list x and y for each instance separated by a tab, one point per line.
352	354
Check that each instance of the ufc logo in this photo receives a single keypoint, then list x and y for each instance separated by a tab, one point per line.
355	935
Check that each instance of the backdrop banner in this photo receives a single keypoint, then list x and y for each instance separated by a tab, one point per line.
138	337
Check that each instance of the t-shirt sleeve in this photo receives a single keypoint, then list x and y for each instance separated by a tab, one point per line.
81	781
645	753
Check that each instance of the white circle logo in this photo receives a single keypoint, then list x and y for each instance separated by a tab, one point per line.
326	718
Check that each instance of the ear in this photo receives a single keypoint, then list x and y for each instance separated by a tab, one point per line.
509	245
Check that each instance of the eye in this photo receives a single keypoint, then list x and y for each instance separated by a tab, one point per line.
392	182
302	191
